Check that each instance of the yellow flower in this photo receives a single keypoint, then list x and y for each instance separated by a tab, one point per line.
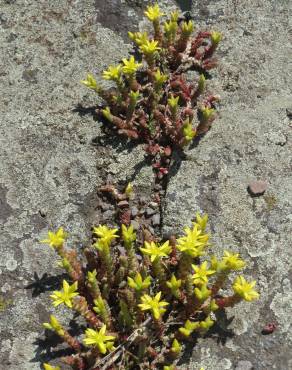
57	239
173	102
170	28
201	83
159	78
91	276
54	325
187	28
216	37
113	73
170	367
206	324
201	221
107	114
138	37
138	283
98	339
128	234
134	96
188	328
232	261
130	66
207	113
65	295
188	131
244	289
149	47
174	284
90	82
153	304
194	242
99	305
176	346
174	16
201	273
202	293
49	367
153	13
105	234
156	251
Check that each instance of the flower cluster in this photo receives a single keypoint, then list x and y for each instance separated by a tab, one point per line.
134	293
153	100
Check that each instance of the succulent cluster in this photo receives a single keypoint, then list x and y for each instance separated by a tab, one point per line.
142	300
155	99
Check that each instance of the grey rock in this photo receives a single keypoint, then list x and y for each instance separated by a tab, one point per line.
135	224
107	215
156	219
43	165
150	211
153	205
244	365
134	211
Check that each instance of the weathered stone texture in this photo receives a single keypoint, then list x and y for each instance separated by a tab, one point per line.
50	170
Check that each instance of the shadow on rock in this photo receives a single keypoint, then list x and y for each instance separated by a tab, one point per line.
45	283
50	347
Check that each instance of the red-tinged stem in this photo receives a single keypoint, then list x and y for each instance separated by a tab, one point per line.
81	306
228	301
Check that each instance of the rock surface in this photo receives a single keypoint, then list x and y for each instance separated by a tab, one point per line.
54	156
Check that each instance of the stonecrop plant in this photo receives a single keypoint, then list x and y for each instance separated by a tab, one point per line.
156	98
142	300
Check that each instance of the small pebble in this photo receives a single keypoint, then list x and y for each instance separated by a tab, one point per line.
156	219
150	212
257	187
135	224
134	211
3	18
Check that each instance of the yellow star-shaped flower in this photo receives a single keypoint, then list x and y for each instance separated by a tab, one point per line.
156	251
105	234
153	304
113	73
90	82
99	339
244	289
188	131
149	47
65	295
232	261
138	283
128	234
194	241
200	277
57	239
153	13
130	66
